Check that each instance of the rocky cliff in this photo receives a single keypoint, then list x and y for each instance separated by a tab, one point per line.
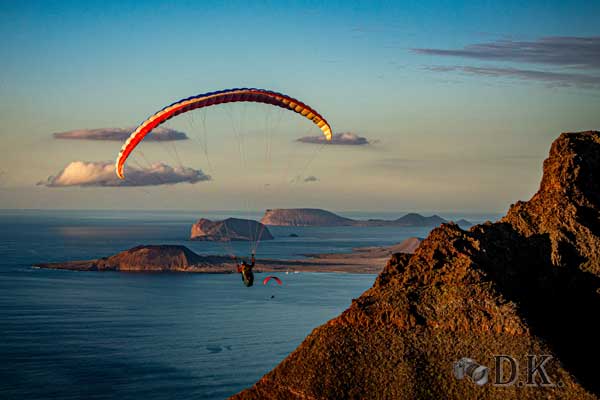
318	217
230	229
525	287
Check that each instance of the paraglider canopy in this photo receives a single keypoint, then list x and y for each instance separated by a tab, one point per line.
268	278
255	171
214	98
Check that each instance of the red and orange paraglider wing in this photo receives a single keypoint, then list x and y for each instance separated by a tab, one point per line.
268	278
214	98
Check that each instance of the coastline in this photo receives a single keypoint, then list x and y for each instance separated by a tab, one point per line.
179	259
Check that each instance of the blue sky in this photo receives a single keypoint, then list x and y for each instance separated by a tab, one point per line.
448	133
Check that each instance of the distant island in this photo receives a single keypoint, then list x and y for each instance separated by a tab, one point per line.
176	258
238	229
148	258
319	217
230	229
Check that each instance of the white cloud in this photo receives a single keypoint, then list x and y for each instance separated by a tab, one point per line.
160	134
345	138
102	174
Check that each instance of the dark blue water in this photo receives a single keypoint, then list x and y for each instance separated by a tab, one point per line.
104	335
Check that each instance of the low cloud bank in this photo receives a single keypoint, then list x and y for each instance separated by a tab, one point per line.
159	134
102	174
566	61
552	79
568	51
345	138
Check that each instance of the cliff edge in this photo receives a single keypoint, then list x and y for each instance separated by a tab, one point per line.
526	286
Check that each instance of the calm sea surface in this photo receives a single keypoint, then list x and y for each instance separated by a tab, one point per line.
105	335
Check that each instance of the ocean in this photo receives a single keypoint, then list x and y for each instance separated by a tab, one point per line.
109	335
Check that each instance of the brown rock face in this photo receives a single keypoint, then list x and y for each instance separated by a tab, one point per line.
567	207
524	286
229	229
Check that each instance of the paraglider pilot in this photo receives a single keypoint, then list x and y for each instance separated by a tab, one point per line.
246	270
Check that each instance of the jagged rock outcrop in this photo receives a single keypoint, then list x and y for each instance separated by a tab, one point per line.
526	285
230	229
566	208
318	217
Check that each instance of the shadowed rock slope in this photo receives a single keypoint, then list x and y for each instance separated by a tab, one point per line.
527	284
